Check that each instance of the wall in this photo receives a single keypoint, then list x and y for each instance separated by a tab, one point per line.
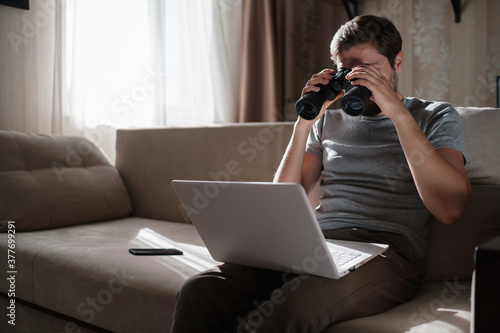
443	60
456	62
27	44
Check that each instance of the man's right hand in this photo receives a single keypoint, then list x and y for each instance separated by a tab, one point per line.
297	166
324	78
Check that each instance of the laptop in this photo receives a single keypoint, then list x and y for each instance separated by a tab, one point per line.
268	225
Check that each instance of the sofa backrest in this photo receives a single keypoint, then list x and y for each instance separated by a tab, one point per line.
149	159
49	181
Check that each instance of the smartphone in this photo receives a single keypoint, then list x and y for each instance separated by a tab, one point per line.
155	252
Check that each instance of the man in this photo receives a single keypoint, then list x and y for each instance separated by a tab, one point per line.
382	174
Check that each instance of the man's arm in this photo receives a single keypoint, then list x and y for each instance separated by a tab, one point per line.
297	166
439	175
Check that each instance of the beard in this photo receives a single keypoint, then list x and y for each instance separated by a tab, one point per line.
372	108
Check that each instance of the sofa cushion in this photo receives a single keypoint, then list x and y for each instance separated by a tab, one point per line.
54	181
483	158
149	159
86	272
438	307
450	253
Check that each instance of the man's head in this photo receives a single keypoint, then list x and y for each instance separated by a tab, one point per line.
369	40
377	31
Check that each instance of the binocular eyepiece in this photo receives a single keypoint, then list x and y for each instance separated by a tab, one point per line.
354	101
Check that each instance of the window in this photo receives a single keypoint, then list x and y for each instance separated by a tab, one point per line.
148	63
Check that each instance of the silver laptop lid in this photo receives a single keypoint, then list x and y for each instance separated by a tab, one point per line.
266	225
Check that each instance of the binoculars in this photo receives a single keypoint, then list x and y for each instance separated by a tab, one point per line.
353	102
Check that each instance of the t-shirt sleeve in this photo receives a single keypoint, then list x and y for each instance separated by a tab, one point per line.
444	128
313	144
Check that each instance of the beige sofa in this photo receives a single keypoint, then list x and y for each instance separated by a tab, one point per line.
76	216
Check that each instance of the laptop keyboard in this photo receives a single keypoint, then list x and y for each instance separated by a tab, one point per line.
343	257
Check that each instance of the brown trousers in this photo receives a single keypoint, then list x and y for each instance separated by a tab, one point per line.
234	298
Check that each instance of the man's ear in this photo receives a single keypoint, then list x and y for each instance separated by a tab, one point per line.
398	62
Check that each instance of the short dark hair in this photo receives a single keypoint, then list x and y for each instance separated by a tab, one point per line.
376	30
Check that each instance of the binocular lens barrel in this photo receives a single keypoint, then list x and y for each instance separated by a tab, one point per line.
309	105
307	109
354	101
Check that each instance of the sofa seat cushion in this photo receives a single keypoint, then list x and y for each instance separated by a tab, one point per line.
87	273
53	181
438	307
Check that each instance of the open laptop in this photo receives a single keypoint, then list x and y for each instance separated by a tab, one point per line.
268	225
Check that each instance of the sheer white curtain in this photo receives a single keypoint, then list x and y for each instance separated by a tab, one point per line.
201	49
140	63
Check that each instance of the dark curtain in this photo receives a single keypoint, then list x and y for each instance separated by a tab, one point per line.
261	64
284	42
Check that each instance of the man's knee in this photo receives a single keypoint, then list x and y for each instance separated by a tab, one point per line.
277	312
196	286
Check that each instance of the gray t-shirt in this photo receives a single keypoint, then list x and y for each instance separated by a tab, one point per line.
366	181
